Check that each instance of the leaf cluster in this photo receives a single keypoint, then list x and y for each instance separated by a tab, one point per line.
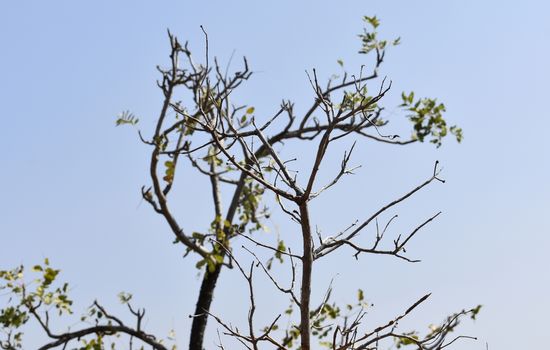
26	297
426	114
369	37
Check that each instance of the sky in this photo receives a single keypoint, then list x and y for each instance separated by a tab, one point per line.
71	180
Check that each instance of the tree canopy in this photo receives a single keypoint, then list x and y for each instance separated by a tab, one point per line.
202	128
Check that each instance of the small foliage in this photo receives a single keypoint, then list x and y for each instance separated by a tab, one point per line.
124	297
426	114
369	37
169	172
26	297
126	118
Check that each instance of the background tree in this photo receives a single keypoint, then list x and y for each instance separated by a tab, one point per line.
223	141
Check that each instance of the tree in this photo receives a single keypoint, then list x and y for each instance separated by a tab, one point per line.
227	143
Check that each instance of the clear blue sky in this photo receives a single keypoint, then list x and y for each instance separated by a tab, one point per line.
70	179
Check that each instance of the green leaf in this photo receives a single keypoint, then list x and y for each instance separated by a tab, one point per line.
124	297
475	311
200	263
126	117
211	266
198	235
49	276
250	110
374	22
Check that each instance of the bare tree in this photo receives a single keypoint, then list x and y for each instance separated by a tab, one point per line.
227	143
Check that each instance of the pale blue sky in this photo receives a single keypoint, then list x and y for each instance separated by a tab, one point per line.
70	179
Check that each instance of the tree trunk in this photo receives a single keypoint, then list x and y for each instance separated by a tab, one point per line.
206	295
307	262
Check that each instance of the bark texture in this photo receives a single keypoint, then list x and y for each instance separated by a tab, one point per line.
206	295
